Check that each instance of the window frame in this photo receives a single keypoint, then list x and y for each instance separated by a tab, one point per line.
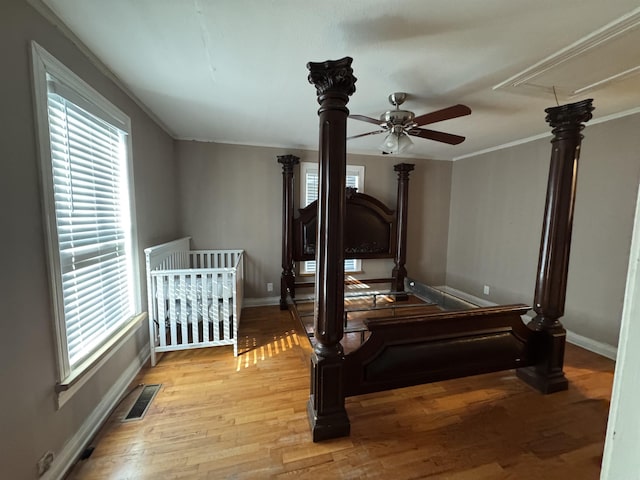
43	63
352	170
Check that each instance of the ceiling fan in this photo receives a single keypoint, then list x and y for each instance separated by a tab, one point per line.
400	124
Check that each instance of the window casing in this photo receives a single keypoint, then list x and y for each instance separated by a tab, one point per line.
88	203
309	193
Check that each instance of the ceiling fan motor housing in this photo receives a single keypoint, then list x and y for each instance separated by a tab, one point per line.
397	117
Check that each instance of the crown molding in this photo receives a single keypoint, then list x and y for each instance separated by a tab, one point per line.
52	18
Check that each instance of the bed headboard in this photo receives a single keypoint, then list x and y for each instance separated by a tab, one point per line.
371	229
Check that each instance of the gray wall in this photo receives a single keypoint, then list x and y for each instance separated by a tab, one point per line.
497	204
29	421
231	197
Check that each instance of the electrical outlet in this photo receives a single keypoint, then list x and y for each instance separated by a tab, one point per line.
486	289
269	287
45	462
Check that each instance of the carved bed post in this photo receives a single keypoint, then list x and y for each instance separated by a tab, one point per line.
334	82
399	271
553	264
287	279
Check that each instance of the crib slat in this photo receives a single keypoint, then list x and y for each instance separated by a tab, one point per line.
172	310
226	290
184	310
206	305
162	309
195	307
215	309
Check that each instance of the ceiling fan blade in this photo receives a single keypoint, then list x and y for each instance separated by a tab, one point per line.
365	134
364	118
444	114
449	138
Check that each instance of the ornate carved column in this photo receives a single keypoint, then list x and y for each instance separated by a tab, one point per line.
555	244
399	271
287	278
334	82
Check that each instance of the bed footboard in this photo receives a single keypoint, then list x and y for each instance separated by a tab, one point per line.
421	349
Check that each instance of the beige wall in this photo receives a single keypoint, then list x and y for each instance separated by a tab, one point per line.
29	421
231	197
497	203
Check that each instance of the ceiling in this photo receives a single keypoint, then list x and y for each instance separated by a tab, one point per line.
234	71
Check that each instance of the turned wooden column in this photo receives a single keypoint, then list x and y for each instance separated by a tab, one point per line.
555	244
287	279
399	272
334	82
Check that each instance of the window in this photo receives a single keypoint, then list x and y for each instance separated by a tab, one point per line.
309	193
85	170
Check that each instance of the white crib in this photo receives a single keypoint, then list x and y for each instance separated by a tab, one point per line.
195	297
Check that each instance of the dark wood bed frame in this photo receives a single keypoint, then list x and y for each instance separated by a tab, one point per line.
404	351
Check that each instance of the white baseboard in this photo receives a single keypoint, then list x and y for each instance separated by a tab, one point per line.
481	302
73	448
260	302
594	346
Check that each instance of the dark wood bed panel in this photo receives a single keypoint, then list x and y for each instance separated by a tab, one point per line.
431	347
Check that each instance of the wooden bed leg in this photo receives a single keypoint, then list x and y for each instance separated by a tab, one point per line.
399	272
334	82
287	279
567	121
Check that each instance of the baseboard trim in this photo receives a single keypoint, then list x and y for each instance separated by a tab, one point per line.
594	346
260	302
73	448
466	296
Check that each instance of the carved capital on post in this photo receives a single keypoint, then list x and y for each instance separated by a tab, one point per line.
288	162
333	77
403	169
569	118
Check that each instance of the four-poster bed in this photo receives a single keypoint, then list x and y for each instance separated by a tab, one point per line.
429	346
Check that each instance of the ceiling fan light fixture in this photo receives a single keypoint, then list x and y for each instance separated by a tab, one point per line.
404	143
396	143
390	143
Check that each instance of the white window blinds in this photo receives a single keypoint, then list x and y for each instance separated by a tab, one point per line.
91	198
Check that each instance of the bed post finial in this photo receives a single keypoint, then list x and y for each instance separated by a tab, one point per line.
555	243
287	278
334	82
399	272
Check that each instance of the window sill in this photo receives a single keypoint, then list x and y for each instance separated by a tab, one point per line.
67	388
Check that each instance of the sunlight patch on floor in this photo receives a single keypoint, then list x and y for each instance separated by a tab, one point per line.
256	354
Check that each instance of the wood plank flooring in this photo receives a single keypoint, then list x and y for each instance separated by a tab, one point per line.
220	417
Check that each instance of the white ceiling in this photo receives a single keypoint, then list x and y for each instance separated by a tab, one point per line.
234	71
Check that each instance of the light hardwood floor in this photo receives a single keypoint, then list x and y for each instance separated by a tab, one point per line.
220	417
